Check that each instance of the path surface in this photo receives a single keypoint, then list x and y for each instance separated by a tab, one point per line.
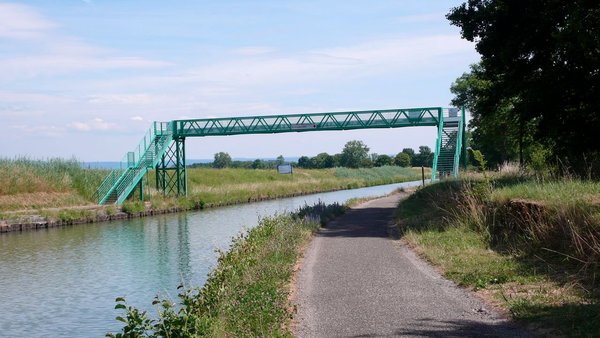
357	281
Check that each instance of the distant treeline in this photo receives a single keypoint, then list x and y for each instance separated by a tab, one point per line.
354	155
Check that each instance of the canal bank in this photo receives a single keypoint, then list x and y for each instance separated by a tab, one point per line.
264	188
70	276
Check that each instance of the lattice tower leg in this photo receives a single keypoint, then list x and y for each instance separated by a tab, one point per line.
171	174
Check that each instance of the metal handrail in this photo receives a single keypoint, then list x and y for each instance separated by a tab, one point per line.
132	159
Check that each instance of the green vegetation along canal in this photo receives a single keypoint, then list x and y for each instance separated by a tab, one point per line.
63	281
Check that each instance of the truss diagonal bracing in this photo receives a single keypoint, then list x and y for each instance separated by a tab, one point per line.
163	146
171	175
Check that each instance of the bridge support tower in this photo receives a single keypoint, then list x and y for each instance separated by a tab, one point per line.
171	174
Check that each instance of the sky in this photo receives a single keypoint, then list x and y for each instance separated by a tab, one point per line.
85	79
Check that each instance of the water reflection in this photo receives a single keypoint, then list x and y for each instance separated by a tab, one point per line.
63	282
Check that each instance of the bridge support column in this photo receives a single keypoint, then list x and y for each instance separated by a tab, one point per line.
465	154
171	174
438	144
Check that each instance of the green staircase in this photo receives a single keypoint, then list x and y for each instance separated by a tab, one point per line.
121	182
449	144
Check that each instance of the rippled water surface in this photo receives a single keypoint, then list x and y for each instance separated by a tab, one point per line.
63	282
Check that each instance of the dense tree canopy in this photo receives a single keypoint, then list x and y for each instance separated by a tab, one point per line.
323	160
222	160
424	158
539	76
383	160
355	154
304	162
409	151
402	159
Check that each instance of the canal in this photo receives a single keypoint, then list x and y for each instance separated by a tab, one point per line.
62	282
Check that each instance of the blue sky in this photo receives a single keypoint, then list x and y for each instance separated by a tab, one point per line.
86	78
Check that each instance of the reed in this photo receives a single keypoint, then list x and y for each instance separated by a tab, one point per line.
32	184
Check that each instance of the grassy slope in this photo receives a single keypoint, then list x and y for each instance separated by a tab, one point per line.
33	185
242	185
552	192
469	238
30	184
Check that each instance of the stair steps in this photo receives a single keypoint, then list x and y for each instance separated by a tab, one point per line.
121	182
448	156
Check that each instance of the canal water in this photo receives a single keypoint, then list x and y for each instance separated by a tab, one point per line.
62	282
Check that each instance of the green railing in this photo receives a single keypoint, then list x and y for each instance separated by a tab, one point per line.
134	165
459	141
389	118
438	147
120	177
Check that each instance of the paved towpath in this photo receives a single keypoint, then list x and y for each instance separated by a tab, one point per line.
357	281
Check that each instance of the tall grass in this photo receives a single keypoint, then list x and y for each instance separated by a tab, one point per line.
31	184
535	246
555	193
57	182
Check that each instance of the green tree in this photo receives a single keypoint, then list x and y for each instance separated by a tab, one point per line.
222	160
258	164
355	154
402	159
383	160
497	135
280	160
304	162
337	160
323	160
540	62
424	158
409	151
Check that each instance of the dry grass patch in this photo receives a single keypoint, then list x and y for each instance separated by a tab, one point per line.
40	200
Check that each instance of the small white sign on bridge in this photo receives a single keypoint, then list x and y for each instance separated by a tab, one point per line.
285	169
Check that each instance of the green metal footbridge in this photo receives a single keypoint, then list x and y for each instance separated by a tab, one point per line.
163	146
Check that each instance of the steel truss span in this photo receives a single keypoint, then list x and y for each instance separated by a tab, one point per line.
163	146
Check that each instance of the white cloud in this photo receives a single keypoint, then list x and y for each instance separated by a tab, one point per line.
39	130
56	53
96	124
18	21
52	64
312	70
137	118
136	99
347	62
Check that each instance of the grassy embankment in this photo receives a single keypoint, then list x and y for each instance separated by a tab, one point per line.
56	183
247	295
34	187
531	247
214	187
